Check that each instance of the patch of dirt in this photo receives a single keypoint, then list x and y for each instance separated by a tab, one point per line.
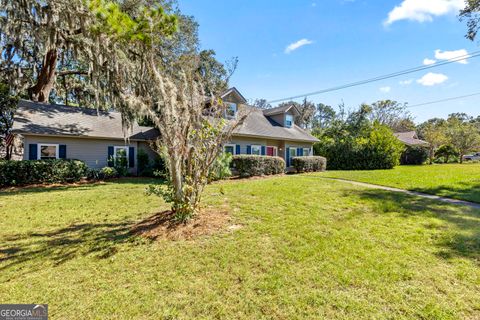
163	226
52	185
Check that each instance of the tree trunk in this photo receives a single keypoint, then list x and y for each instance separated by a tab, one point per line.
431	155
46	79
176	175
461	158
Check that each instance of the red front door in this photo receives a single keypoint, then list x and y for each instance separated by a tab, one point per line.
270	151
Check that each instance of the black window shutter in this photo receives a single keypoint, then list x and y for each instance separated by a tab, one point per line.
32	151
62	151
110	156
131	157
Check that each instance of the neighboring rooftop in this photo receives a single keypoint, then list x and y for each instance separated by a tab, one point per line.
54	119
410	139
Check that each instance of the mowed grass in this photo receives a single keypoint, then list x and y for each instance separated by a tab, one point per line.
459	181
308	248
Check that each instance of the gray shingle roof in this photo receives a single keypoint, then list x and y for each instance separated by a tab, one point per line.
47	119
53	119
278	110
258	125
410	139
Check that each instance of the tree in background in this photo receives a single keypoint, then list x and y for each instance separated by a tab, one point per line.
472	14
434	132
261	104
323	117
392	114
215	75
355	142
462	134
447	152
54	50
307	113
8	105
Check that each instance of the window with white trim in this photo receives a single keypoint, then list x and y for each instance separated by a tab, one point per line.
257	150
231	111
229	148
47	151
306	151
293	152
288	120
120	155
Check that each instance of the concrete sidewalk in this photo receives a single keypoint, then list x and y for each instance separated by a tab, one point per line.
412	193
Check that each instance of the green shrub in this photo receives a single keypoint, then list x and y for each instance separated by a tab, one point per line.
370	147
447	153
414	155
309	164
252	165
143	161
14	173
108	173
221	167
121	163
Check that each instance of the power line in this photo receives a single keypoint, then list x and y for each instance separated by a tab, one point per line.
379	78
444	100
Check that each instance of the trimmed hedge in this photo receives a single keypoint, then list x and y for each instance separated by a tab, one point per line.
309	164
14	173
253	165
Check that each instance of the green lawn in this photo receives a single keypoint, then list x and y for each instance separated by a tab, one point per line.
459	181
308	248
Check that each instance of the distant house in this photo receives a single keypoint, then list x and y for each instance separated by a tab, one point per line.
51	131
410	139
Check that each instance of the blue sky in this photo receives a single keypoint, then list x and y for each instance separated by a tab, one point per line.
343	41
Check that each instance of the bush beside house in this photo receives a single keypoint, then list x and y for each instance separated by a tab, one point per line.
366	147
14	173
414	155
253	165
309	164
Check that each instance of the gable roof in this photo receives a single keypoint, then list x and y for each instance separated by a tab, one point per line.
235	92
279	110
51	119
258	125
410	139
54	119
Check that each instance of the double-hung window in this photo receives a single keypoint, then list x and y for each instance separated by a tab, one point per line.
229	148
47	151
120	155
288	120
293	152
306	152
257	150
231	110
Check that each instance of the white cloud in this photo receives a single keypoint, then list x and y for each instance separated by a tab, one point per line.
449	55
423	10
385	89
406	82
294	46
431	79
428	62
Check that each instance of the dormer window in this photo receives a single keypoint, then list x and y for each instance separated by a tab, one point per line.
288	120
231	111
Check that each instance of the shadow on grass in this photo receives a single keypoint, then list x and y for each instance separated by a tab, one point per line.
460	237
33	251
467	191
